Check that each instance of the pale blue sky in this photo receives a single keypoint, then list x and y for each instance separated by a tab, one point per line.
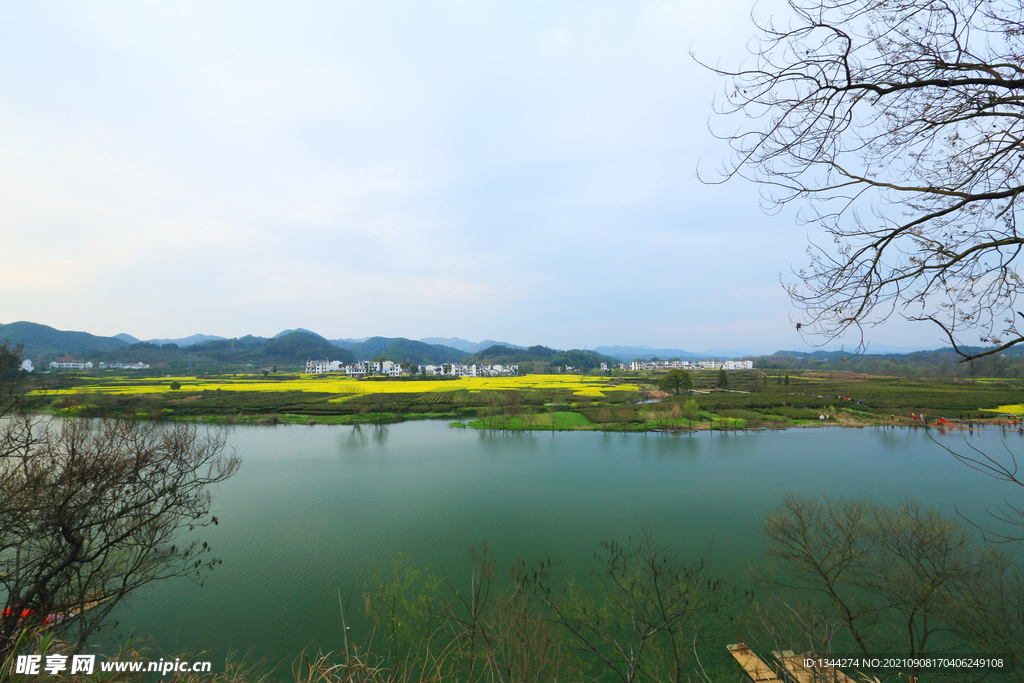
521	171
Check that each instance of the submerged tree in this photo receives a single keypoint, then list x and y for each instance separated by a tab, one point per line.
898	127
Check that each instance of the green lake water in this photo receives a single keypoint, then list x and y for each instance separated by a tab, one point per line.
315	509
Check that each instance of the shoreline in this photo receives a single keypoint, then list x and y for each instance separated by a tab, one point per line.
489	424
548	403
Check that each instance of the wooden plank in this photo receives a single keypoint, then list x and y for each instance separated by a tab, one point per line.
757	670
70	610
794	664
91	600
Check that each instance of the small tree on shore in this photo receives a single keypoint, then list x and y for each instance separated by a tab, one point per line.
691	411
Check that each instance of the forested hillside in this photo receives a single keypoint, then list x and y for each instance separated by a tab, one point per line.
576	358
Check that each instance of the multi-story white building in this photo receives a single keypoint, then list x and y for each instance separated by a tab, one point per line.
360	369
393	369
460	370
638	365
54	365
317	367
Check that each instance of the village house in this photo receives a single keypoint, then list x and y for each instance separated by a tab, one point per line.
54	365
640	365
359	369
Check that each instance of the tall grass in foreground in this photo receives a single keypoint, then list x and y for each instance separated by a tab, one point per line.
640	620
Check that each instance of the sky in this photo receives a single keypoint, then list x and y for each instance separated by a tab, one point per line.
519	171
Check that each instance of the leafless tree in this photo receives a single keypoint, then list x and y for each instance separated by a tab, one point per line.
436	628
92	510
1008	518
888	578
650	611
899	127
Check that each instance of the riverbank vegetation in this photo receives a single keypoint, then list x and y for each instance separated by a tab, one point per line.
753	399
92	511
840	578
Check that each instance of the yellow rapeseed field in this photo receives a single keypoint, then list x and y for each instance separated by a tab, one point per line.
339	384
1017	409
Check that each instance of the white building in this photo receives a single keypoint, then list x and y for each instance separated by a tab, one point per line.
460	370
356	370
318	367
27	366
71	366
391	369
638	365
360	369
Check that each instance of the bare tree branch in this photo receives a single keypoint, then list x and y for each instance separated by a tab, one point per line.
899	126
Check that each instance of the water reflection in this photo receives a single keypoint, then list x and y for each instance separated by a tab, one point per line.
332	504
502	434
362	435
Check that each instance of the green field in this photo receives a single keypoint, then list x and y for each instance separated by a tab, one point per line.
753	400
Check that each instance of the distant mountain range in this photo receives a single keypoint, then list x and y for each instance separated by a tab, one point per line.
403	350
42	340
576	358
644	352
184	341
468	346
295	345
289	347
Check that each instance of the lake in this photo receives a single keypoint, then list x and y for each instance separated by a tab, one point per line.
315	509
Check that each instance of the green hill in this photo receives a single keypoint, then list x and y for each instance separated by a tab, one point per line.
43	341
293	348
302	346
406	351
290	350
938	362
584	360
